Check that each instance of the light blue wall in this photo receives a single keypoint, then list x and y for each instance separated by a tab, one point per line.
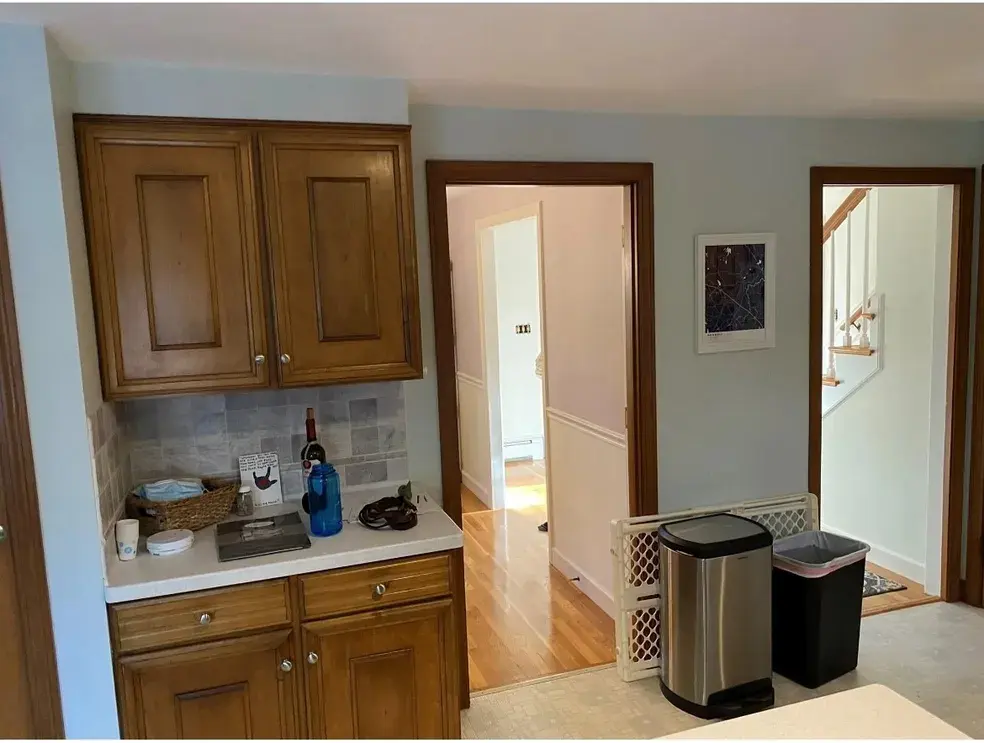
39	90
237	94
32	164
731	426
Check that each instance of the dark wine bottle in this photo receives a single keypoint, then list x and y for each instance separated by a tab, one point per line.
311	454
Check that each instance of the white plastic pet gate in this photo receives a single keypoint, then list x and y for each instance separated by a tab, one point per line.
635	552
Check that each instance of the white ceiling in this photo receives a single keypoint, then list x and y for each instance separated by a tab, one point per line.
812	60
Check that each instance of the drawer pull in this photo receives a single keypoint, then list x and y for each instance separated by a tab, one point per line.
312	658
379	590
286	665
205	619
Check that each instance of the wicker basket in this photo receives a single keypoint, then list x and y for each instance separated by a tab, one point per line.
195	513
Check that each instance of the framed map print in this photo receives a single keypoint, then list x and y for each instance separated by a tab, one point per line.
735	292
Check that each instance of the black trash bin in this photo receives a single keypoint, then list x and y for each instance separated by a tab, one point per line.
817	585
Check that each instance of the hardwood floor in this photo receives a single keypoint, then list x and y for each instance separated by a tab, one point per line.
914	595
525	619
470	503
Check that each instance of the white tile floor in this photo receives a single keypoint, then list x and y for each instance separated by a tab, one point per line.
933	655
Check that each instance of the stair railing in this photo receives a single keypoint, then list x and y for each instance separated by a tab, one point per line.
842	215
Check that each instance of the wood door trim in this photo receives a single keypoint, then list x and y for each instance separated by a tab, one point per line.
640	291
972	589
24	519
958	349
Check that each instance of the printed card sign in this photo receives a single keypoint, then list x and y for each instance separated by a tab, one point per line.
262	473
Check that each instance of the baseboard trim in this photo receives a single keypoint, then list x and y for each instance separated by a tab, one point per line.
599	432
469	379
584	583
472	484
887	558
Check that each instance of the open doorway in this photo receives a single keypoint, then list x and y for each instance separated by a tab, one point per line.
890	254
886	302
496	625
510	281
541	419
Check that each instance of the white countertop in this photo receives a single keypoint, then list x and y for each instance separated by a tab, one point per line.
873	711
199	568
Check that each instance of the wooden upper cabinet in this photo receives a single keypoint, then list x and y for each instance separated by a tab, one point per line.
343	256
383	674
242	688
174	256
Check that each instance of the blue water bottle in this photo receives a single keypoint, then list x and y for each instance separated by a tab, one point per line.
325	500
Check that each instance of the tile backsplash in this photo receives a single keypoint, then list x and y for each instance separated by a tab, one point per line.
110	461
362	428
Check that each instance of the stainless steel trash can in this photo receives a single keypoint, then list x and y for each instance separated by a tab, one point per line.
716	615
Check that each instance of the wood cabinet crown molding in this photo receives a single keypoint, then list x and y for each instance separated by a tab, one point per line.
230	255
351	129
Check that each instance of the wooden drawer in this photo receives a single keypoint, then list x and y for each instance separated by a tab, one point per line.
193	617
375	586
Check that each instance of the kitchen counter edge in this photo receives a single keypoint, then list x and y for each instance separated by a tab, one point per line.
443	535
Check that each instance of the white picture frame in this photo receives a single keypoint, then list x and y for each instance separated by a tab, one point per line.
744	322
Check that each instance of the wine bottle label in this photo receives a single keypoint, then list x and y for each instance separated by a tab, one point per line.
305	473
306	465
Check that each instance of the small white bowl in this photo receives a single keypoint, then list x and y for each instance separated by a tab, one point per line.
171	542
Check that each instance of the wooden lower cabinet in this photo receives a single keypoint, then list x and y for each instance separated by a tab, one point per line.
306	669
239	688
384	674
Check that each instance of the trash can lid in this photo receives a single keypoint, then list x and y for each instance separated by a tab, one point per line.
715	536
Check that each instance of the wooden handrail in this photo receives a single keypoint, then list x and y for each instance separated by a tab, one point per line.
837	218
857	315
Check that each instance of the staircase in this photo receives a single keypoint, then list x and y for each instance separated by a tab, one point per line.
853	311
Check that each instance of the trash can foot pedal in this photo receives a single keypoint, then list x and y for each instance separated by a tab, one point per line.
744	699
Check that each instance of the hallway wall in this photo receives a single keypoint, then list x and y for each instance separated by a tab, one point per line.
583	336
517	300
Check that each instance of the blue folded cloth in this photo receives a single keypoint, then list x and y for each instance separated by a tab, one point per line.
164	491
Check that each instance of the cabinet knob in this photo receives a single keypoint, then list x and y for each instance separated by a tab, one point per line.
3	533
379	590
205	619
312	658
284	358
259	359
286	665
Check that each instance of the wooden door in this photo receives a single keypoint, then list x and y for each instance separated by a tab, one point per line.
30	706
384	674
343	254
174	256
241	688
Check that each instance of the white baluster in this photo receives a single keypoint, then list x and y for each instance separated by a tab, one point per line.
863	340
831	332
847	285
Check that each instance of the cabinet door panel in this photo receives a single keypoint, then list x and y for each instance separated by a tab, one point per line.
224	689
343	255
174	252
384	674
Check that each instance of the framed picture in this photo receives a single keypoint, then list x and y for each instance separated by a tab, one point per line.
736	277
